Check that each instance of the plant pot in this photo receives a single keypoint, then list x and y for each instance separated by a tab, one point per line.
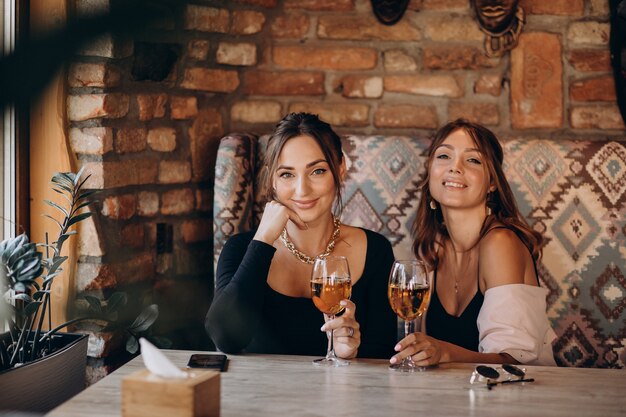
45	383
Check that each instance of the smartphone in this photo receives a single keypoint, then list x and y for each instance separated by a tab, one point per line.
208	361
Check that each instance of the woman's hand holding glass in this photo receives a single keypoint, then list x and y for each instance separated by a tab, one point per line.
331	287
409	294
347	336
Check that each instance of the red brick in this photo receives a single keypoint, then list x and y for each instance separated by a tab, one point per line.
590	60
262	3
256	111
290	26
162	139
151	106
536	82
419	5
597	117
242	53
247	22
198	230
456	57
365	28
593	33
93	75
147	204
321	5
130	140
140	267
361	86
114	174
429	85
89	240
91	106
397	60
174	172
119	207
205	134
483	113
452	28
175	202
489	84
215	80
554	7
132	235
593	89
198	49
330	58
91	140
207	19
183	107
406	116
91	276
337	114
276	83
204	200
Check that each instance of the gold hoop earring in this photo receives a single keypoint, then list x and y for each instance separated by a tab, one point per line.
488	211
433	205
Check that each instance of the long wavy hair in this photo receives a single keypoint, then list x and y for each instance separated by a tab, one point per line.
429	229
299	124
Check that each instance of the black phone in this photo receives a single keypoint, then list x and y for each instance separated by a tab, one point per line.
215	361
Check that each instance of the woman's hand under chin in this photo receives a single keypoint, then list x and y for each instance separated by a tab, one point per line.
273	221
347	336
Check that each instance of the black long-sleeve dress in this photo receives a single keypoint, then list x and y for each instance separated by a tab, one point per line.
248	315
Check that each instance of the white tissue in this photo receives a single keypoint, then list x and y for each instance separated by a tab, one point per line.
157	363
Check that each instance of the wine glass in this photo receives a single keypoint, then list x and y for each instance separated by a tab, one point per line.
409	293
330	283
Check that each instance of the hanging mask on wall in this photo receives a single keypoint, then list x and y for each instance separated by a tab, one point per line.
501	21
389	12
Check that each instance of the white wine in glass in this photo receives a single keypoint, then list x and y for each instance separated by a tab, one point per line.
409	294
330	283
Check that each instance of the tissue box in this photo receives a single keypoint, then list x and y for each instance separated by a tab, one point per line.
147	395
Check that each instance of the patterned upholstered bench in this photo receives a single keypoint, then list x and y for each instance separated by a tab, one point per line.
573	192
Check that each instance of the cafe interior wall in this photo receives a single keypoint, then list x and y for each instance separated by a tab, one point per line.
146	114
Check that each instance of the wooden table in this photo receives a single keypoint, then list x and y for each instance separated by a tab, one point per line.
271	385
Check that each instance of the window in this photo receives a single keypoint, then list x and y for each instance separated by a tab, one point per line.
7	129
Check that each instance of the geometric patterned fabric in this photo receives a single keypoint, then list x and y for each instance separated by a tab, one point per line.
572	192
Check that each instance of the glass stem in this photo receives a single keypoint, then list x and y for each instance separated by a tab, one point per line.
331	345
408	329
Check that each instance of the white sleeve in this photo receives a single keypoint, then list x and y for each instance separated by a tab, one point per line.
513	320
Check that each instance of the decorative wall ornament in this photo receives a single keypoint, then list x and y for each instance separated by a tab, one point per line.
618	51
388	12
501	21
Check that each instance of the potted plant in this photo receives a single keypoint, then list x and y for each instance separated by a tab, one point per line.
40	367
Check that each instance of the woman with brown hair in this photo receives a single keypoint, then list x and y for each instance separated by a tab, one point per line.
262	299
486	304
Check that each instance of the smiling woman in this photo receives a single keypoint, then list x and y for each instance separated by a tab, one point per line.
263	293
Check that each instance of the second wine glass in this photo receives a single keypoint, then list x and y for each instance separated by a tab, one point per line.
330	283
409	293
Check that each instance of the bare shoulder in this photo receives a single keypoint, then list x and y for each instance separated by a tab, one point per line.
503	258
352	235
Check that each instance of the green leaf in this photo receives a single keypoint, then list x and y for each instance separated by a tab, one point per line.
94	303
78	218
131	345
38	295
147	317
54	220
56	206
116	300
22	297
31	308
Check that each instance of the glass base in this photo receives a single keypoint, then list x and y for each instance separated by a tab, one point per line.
407	365
334	362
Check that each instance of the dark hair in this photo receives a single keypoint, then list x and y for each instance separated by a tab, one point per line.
429	227
299	124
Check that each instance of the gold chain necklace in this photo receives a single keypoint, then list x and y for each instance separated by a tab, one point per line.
305	258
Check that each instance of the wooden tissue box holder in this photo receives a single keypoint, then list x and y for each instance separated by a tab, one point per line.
147	395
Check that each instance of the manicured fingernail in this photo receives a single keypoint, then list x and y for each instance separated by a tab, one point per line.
343	303
323	328
398	347
392	360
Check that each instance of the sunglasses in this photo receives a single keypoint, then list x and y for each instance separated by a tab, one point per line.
491	375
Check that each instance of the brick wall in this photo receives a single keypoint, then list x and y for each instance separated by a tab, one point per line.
146	113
